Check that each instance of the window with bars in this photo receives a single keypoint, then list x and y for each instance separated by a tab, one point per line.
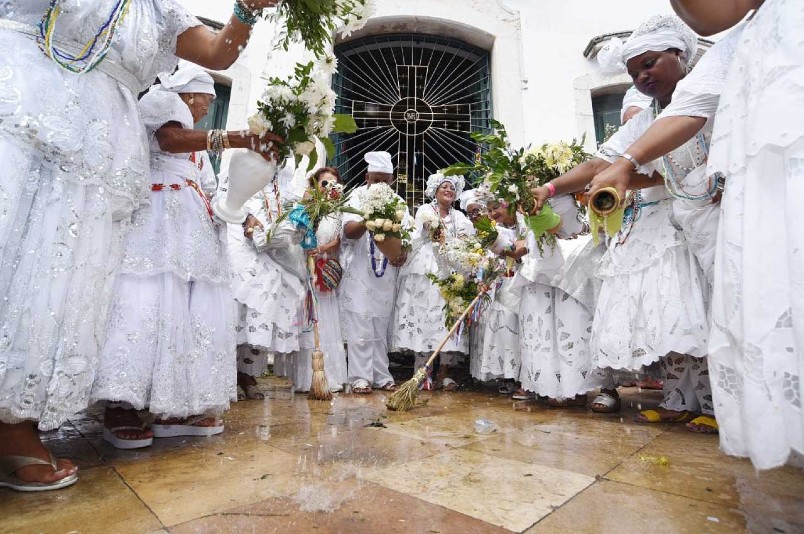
415	96
606	111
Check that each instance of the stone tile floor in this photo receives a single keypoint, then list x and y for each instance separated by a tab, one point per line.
287	464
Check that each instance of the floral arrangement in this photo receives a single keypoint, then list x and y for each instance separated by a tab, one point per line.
432	223
384	213
301	110
313	22
510	174
486	230
458	292
462	254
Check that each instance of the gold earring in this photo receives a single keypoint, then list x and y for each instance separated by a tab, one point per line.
192	100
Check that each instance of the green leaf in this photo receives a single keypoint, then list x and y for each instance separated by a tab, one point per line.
313	159
329	146
458	169
344	123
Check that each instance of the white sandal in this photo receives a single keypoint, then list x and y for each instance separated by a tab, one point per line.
611	403
126	444
187	427
10	463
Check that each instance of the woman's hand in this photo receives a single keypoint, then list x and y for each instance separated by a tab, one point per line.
400	260
267	145
249	224
617	175
540	196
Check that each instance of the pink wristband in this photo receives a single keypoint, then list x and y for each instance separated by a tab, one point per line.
551	188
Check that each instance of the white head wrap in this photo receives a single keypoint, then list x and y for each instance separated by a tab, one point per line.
657	34
472	196
189	78
634	99
435	181
379	162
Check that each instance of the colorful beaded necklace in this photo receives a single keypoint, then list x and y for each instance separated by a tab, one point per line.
93	52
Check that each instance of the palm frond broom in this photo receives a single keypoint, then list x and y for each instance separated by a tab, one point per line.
404	398
319	387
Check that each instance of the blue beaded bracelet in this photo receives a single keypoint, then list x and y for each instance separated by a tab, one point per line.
244	15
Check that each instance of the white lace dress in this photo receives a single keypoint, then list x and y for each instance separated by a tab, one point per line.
268	279
756	351
497	347
651	301
170	342
329	326
75	166
554	326
418	322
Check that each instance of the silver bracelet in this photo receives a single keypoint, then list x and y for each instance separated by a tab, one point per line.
632	159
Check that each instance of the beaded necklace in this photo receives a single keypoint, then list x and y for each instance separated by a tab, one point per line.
671	179
93	52
373	254
437	210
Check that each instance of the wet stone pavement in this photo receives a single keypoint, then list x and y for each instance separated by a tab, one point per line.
287	464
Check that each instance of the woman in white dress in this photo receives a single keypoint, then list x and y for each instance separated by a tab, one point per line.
554	326
326	254
756	347
418	322
498	356
75	168
652	304
269	285
170	340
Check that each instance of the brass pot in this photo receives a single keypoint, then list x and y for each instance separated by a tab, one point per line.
605	201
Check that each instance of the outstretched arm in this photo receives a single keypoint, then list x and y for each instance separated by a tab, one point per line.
217	51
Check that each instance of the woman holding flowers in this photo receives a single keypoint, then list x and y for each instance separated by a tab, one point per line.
328	274
418	323
76	167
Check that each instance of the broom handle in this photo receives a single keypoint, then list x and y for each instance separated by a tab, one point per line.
311	271
453	329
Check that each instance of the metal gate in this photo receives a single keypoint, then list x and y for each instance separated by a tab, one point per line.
415	96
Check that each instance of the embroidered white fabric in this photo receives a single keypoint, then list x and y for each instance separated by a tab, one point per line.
757	340
75	164
418	320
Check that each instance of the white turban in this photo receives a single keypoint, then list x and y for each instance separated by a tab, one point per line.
189	78
435	181
379	162
471	196
657	34
634	99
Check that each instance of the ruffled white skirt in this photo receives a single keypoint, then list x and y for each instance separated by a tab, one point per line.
499	355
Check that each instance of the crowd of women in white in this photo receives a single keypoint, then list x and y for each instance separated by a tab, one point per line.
685	283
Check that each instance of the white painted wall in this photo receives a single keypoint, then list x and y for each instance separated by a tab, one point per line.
541	81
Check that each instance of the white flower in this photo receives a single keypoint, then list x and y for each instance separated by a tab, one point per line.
400	215
513	189
329	64
304	149
396	227
387	225
288	120
379	238
371	226
258	124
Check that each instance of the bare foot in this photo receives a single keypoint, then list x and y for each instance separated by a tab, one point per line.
22	439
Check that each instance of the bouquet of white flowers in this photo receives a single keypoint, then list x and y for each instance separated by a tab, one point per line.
462	254
432	223
313	22
384	213
301	109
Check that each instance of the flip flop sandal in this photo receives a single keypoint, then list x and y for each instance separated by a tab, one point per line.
188	427
9	465
390	386
652	416
361	387
610	403
709	423
449	384
126	444
506	389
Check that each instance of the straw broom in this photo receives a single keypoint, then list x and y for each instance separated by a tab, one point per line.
404	397
319	388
